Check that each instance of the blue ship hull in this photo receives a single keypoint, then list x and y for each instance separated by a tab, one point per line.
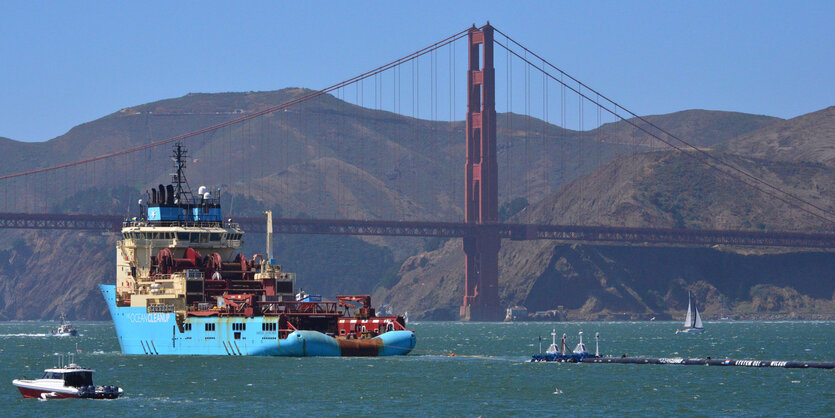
140	332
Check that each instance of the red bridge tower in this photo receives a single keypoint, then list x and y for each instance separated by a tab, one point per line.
481	246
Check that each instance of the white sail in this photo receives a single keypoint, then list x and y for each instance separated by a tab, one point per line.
688	321
698	323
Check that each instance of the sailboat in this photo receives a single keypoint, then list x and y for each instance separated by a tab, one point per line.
692	323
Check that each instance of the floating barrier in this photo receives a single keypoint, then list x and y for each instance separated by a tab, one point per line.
710	362
561	354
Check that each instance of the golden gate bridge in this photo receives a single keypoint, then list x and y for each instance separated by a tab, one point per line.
28	192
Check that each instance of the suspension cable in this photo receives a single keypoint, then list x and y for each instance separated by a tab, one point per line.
272	109
825	213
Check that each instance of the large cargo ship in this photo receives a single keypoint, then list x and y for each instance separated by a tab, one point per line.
183	288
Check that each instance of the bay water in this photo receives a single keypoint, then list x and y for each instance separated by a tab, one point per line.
457	369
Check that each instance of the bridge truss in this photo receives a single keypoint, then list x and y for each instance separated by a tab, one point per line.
516	232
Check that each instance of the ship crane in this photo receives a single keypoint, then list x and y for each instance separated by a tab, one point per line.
365	309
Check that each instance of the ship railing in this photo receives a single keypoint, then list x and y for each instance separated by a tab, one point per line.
160	308
297	307
180	223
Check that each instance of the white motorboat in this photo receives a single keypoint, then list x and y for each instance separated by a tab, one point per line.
69	381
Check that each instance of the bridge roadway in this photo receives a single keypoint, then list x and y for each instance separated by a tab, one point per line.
518	232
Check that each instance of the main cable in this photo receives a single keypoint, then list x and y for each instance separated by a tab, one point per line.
678	148
284	105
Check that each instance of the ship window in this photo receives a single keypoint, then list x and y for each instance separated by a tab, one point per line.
215	236
52	375
210	327
182	236
194	237
269	326
187	327
237	326
78	379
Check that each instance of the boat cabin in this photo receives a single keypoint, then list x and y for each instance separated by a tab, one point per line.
74	378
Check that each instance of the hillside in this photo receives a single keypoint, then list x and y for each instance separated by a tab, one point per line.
804	138
661	189
701	128
324	158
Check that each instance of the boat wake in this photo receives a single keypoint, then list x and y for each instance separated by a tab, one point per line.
25	335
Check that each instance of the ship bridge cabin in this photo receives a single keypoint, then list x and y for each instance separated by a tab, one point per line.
183	257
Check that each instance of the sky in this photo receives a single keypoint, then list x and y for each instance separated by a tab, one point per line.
66	63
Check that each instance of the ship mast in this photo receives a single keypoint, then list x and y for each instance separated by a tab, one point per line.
182	192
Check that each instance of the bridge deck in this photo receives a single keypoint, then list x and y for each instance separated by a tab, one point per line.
516	232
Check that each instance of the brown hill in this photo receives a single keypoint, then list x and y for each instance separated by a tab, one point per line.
700	128
324	158
661	189
804	138
414	160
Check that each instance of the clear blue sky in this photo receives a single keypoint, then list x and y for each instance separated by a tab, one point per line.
65	63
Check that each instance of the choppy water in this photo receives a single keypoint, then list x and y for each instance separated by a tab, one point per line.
487	376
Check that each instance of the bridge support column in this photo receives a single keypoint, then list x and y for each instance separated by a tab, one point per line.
481	208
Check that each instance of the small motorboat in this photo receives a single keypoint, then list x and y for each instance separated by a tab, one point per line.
560	353
69	381
65	329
